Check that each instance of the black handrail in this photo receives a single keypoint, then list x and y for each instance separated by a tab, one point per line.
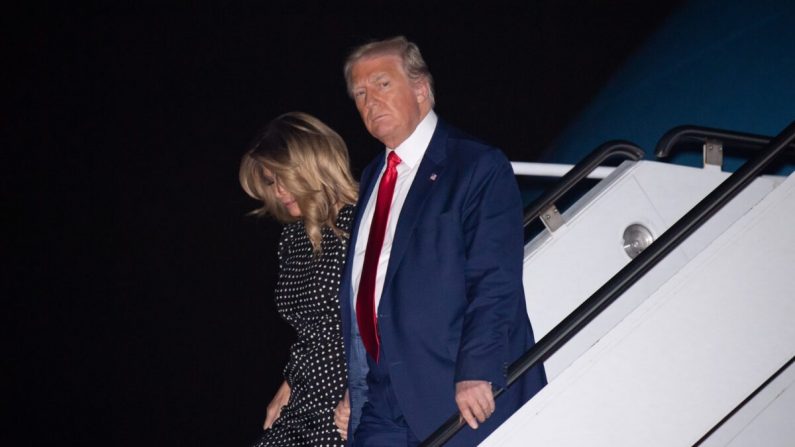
631	273
744	402
690	133
580	171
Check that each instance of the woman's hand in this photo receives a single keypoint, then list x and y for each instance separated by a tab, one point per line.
275	407
341	415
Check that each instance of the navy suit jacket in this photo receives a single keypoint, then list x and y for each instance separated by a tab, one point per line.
452	306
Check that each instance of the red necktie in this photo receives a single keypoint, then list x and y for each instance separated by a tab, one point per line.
365	299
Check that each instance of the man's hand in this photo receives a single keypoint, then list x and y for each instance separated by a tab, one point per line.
475	401
275	407
342	414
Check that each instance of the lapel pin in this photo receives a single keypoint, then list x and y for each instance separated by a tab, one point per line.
433	177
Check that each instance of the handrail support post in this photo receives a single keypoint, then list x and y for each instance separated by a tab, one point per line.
713	153
551	218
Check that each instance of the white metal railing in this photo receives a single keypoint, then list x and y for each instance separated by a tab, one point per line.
554	170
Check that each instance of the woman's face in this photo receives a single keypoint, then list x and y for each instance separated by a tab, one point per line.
284	196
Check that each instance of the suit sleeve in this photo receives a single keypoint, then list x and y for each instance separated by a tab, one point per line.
493	238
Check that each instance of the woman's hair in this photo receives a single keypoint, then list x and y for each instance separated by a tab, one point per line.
413	64
307	159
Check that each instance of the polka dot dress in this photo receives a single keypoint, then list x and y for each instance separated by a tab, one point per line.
307	297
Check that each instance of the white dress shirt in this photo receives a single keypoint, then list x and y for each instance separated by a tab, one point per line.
410	153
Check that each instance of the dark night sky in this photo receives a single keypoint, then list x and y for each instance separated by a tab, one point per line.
139	293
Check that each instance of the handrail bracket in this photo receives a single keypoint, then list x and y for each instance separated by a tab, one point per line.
713	153
551	218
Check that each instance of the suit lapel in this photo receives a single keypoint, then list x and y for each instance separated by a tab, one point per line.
431	167
366	187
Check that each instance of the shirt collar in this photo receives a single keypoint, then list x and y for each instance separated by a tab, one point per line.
413	148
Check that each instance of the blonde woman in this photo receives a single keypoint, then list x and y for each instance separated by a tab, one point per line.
299	169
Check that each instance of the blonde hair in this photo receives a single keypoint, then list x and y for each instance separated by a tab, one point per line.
309	160
409	53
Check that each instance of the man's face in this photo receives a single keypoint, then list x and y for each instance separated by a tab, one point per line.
391	106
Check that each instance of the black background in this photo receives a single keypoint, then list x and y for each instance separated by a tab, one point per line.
138	293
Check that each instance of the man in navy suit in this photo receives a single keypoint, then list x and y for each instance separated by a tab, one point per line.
432	302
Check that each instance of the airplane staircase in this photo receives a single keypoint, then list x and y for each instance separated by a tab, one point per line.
663	303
